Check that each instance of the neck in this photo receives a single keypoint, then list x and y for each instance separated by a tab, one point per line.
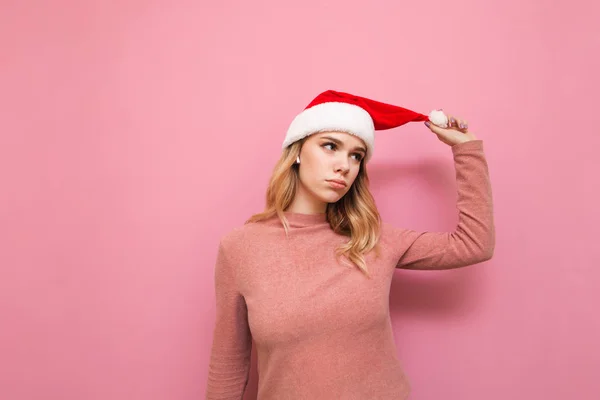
304	203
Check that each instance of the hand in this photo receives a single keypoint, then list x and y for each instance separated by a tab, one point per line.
457	131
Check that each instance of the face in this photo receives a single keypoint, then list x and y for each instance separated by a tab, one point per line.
325	158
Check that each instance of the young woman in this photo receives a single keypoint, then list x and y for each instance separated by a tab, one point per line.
308	279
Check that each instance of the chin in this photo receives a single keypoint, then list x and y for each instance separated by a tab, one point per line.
331	197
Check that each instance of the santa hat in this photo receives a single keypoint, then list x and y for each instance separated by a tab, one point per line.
359	116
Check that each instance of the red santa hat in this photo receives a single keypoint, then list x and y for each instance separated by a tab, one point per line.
359	116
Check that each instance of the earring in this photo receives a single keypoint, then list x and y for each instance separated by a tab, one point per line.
298	160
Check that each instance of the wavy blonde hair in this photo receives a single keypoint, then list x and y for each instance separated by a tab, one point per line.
355	215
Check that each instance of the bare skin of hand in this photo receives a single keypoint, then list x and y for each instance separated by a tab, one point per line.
457	131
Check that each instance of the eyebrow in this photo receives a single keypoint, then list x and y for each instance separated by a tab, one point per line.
339	142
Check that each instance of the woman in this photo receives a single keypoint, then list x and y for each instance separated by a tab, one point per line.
308	279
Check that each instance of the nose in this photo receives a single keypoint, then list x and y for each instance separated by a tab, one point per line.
342	165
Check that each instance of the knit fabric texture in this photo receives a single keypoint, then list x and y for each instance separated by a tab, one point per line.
322	330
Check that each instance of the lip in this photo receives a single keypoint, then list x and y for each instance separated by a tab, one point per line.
336	183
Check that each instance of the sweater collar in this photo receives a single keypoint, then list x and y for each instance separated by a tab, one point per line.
301	220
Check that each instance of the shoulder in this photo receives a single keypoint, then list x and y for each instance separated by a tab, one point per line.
389	231
395	236
241	237
388	235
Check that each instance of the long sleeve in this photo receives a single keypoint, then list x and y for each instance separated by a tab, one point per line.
232	342
473	240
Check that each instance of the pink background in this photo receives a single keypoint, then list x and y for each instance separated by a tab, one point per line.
135	133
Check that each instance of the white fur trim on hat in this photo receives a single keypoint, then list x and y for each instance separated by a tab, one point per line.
333	116
439	118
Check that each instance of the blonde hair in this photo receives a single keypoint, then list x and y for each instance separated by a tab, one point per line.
355	215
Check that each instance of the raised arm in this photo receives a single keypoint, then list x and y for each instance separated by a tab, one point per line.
232	343
473	240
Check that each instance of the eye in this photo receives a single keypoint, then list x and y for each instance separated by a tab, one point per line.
333	146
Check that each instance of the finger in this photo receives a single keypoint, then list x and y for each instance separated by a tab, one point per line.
459	124
452	122
435	129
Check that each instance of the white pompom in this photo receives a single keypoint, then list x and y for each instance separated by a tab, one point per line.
438	118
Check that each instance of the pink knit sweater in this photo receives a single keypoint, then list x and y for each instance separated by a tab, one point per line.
323	330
